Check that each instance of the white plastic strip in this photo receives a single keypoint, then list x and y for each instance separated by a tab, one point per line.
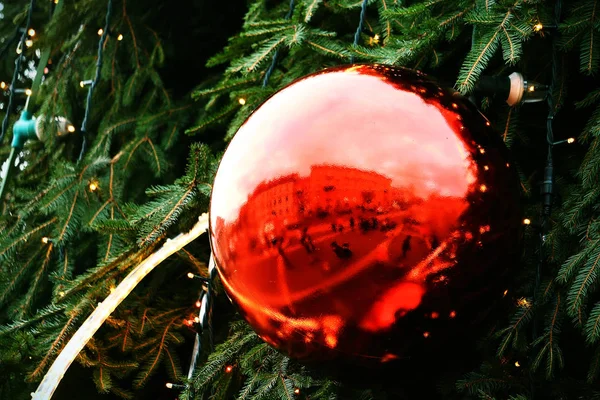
104	309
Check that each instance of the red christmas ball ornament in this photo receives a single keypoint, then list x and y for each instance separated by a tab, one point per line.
364	212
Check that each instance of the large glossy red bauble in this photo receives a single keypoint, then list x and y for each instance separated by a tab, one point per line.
364	212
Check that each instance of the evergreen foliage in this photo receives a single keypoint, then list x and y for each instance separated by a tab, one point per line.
71	230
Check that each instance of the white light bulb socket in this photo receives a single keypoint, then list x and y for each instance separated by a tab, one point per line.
62	126
517	88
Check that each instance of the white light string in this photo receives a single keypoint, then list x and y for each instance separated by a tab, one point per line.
65	358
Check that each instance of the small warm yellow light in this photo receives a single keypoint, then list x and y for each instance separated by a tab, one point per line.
242	100
120	37
19	51
376	37
571	140
452	314
71	128
505	292
61	294
198	304
112	289
487	123
482	151
527	221
196	319
45	240
538	27
483	188
81	83
93	186
523	302
31	32
55	1
2	85
507	165
454	105
486	167
29	43
28	92
169	385
531	88
517	364
228	368
296	391
100	32
46	70
425	334
190	275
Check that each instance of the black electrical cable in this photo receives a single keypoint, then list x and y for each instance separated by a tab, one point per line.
276	54
547	188
88	105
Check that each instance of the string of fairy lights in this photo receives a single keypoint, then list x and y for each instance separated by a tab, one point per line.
26	127
23	41
92	83
204	303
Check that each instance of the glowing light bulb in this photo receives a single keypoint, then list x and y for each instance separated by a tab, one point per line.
19	51
452	314
112	289
482	151
120	37
29	43
296	391
61	294
487	123
538	27
527	221
55	1
228	368
71	128
93	186
434	315
486	167
523	302
517	364
28	92
100	32
31	32
81	83
46	70
531	88
45	240
169	385
198	304
571	140
242	101
483	188
196	319
2	85
454	105
425	334
190	275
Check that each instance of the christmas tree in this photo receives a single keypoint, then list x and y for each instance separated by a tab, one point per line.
116	114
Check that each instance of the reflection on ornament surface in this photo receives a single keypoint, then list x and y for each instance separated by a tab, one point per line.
362	212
